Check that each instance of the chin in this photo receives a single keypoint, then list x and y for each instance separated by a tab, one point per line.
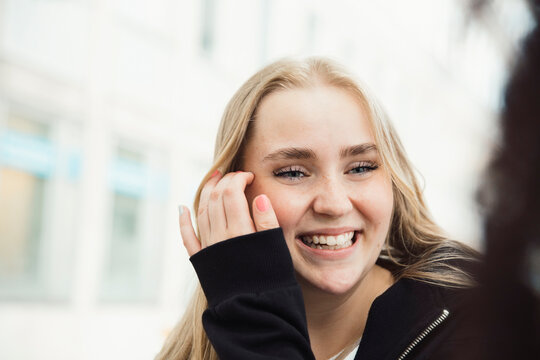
333	282
336	289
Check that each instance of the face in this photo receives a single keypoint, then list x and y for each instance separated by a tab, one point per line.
313	154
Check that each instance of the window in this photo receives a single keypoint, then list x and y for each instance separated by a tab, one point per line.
207	27
39	173
132	256
21	210
25	166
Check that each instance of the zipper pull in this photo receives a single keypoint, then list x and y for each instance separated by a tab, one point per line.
424	333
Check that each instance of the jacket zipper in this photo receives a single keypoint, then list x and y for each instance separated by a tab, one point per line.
424	333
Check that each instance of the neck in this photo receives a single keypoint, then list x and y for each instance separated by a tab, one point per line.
344	315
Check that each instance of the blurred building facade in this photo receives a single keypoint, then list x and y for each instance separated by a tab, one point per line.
108	111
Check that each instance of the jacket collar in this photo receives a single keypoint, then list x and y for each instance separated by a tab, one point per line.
397	317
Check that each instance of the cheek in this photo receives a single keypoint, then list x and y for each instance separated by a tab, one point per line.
288	208
287	204
376	204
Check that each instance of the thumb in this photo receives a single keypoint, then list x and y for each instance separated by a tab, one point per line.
264	216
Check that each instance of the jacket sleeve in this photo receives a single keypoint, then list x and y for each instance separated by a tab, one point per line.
255	305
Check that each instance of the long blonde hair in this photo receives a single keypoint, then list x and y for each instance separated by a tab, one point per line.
415	245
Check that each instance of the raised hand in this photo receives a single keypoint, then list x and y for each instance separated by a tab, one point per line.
224	212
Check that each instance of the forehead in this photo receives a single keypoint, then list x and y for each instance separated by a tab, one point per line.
311	117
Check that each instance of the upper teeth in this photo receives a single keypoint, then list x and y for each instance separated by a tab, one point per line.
329	239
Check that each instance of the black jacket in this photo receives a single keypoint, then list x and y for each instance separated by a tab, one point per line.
256	310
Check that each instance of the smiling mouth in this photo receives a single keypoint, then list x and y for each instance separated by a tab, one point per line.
330	242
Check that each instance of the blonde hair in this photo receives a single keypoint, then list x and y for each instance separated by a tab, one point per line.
415	245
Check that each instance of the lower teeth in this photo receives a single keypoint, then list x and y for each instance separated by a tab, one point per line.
330	247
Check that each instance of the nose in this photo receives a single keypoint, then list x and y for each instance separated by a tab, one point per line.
332	198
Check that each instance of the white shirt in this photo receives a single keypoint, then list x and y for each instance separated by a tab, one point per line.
351	355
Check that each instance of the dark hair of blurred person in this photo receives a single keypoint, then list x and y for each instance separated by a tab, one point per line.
507	308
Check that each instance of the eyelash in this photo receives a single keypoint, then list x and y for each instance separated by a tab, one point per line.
287	172
366	166
295	172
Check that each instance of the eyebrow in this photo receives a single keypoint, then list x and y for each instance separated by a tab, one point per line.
306	153
291	153
357	150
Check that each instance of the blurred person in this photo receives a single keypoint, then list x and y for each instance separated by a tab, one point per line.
314	240
506	307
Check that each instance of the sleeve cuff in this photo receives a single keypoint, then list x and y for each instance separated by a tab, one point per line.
250	263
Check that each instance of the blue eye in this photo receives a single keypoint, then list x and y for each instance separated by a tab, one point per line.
293	173
364	167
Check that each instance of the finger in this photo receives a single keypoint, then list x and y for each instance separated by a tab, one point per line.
189	238
263	214
236	206
216	212
208	187
202	215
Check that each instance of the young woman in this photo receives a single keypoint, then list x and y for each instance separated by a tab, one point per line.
314	240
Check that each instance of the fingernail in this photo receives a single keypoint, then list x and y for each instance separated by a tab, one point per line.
262	203
180	210
215	173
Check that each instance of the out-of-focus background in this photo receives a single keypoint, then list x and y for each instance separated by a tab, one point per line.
108	112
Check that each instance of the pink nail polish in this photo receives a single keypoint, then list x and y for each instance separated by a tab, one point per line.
262	203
